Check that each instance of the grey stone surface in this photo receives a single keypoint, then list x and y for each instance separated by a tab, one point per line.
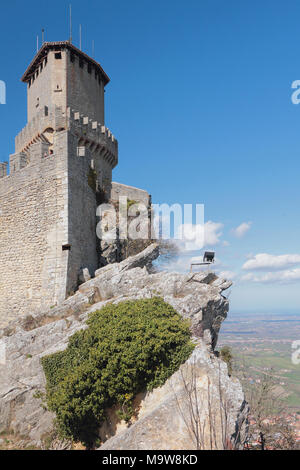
27	340
199	407
132	193
85	275
48	201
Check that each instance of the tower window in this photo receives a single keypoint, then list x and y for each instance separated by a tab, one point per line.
46	111
81	151
66	247
81	63
72	57
89	68
57	55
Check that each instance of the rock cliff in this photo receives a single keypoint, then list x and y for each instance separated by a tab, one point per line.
166	417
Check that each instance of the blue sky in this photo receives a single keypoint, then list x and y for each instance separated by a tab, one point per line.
200	101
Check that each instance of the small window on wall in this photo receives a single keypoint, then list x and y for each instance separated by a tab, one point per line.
89	68
72	57
57	55
46	111
81	63
66	247
81	151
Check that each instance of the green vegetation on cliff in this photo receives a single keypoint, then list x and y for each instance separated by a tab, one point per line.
127	348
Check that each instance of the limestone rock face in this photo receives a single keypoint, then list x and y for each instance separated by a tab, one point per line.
109	252
198	297
199	407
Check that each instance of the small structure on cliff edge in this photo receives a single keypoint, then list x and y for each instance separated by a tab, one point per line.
208	259
60	171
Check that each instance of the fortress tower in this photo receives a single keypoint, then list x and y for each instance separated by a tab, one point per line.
60	171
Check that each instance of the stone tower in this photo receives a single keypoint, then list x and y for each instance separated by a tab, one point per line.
60	171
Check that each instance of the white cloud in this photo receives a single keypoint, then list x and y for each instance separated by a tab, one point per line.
227	274
280	277
196	237
180	265
265	262
194	240
190	237
212	233
241	230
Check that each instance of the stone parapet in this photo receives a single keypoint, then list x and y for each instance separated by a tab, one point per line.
90	133
46	118
94	135
3	169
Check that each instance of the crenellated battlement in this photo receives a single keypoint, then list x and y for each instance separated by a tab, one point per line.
60	169
93	135
90	133
46	119
3	169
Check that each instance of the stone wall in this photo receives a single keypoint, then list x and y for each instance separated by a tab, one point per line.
48	221
64	79
82	205
132	193
159	422
55	119
49	87
33	228
121	248
85	88
3	169
63	161
89	171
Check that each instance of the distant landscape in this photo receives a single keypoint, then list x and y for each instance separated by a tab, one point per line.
262	343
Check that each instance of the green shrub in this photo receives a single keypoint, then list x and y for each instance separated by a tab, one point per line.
127	348
131	202
92	179
226	356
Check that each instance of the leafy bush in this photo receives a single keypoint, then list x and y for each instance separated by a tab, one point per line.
127	348
131	202
226	356
92	179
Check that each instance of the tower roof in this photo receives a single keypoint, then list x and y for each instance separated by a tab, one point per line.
56	46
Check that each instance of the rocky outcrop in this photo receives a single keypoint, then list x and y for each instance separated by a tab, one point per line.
78	303
199	407
198	297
